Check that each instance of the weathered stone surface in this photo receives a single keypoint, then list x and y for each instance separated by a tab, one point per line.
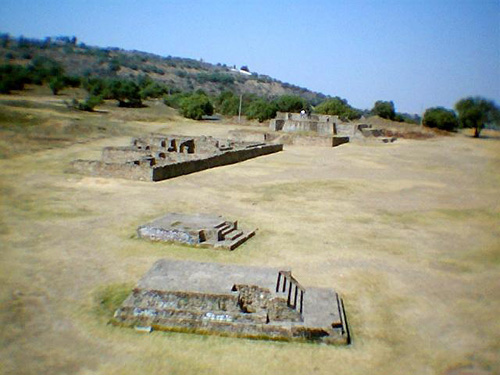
255	302
158	157
196	230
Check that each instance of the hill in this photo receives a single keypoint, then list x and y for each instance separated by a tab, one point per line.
179	74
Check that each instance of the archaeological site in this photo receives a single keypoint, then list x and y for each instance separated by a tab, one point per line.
232	300
196	230
158	157
304	129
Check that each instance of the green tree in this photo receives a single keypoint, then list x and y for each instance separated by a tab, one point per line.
384	109
338	107
261	110
291	103
127	92
153	90
12	77
475	112
440	118
227	103
196	106
175	100
56	84
42	69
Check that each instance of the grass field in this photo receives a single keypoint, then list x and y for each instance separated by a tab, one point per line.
408	233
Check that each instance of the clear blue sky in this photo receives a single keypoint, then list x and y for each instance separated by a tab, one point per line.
417	53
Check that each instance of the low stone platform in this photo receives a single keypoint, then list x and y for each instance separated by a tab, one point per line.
297	139
197	230
231	300
159	157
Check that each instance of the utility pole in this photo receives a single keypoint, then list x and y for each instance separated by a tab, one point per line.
239	110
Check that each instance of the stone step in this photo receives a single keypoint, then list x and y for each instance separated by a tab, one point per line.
239	240
227	230
221	224
233	235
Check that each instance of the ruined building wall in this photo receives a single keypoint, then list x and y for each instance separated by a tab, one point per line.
296	122
228	157
100	169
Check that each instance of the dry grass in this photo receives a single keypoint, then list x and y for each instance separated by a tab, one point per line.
408	233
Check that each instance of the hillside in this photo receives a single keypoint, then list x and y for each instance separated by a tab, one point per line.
178	73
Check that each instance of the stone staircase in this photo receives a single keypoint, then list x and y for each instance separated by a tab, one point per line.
229	236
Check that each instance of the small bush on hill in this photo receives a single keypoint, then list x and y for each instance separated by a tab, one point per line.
12	77
59	83
42	69
88	105
385	110
440	118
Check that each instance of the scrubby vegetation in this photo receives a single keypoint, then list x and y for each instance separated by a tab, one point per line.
473	112
440	118
196	106
338	107
476	112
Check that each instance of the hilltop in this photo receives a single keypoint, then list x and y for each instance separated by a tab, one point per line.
179	74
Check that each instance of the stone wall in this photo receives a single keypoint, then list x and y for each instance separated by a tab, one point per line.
100	169
228	157
122	154
296	122
158	157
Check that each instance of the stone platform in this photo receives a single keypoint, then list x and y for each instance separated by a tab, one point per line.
231	300
197	230
159	157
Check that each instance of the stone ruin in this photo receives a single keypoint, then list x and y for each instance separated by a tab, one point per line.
158	157
196	230
231	300
312	130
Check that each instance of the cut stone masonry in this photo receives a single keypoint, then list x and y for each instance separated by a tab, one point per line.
251	302
196	230
312	130
158	157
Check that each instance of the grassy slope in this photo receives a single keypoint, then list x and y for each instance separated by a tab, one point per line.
180	73
408	233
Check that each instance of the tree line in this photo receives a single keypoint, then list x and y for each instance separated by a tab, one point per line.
470	112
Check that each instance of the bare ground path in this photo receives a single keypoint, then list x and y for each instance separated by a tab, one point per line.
408	233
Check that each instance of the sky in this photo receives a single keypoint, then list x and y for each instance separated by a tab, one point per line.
418	53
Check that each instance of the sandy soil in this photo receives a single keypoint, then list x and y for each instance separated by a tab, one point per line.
408	233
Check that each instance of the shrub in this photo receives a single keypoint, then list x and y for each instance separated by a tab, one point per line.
261	110
174	100
385	110
227	103
338	107
196	106
440	118
88	105
291	103
43	69
127	92
12	77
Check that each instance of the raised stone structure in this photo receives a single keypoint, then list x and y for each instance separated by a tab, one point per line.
312	130
298	122
158	157
251	302
196	230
